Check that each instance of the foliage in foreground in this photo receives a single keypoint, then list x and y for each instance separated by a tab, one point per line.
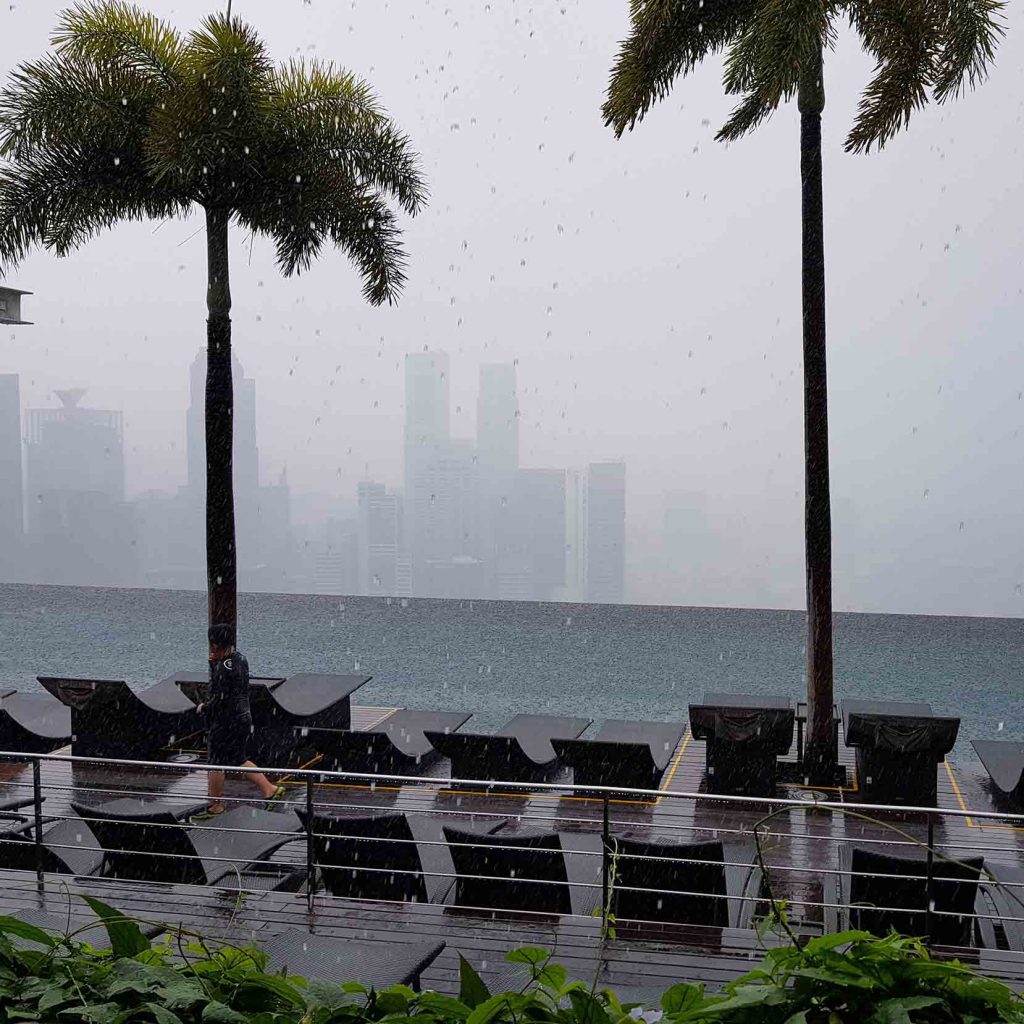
849	977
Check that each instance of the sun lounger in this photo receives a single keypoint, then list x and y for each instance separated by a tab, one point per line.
194	687
11	806
521	751
1005	898
1004	762
396	746
146	841
385	856
626	755
80	923
744	735
713	883
523	872
33	723
110	719
899	747
871	899
378	965
68	848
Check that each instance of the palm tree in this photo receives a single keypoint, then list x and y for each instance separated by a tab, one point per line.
773	52
127	120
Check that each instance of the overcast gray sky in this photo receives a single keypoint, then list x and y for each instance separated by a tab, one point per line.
648	287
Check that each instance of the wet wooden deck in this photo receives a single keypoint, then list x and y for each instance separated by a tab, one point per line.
800	848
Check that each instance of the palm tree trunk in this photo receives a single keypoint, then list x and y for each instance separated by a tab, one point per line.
221	573
821	752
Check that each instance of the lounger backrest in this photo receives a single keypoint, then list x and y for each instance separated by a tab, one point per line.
766	729
910	891
369	857
152	847
691	875
525	872
67	849
903	734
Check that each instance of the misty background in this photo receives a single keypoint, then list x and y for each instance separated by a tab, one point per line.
647	290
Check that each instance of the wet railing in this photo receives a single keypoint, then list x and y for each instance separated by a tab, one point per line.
625	860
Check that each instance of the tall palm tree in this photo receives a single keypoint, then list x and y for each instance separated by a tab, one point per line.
126	120
775	51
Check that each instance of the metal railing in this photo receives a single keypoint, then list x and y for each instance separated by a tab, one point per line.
604	815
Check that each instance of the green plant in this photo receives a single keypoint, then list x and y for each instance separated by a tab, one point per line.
851	978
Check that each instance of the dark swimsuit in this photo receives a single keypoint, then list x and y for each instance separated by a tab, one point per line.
229	721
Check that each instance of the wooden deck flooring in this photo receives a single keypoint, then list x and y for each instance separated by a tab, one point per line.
801	848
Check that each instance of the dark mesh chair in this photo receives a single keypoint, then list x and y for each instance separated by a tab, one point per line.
880	904
147	841
68	848
33	723
691	876
371	857
522	872
744	737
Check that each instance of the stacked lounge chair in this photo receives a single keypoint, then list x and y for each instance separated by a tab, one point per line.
713	884
68	848
525	871
899	748
623	755
520	751
386	856
883	890
396	746
1004	762
745	735
147	841
33	723
110	719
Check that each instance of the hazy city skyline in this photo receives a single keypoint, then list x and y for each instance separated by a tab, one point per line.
648	288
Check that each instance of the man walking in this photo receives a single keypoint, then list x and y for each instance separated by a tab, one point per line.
228	718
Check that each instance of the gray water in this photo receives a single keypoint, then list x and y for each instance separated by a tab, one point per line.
497	659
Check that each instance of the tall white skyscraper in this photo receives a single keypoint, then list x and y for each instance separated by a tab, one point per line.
606	532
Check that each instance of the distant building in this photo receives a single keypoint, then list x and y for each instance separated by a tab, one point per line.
10	306
12	510
81	530
606	532
381	567
336	557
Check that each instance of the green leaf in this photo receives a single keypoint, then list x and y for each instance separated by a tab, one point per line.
489	1009
354	987
826	942
390	1002
682	997
24	930
277	986
897	1011
54	996
800	1017
443	1006
472	990
126	938
552	977
586	1008
98	1013
528	955
220	1013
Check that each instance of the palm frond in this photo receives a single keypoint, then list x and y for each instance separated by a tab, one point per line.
779	46
120	34
333	115
668	38
970	34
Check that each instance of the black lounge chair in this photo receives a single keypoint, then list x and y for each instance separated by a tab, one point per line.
147	842
1005	896
1004	762
378	857
68	848
12	806
396	746
899	748
521	872
33	723
81	924
520	751
713	884
872	899
110	719
378	965
744	737
627	755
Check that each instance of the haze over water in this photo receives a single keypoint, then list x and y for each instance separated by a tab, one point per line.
498	659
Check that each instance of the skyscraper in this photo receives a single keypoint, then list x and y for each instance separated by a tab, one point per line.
11	498
379	551
80	528
606	532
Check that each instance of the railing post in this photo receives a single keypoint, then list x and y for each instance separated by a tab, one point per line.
310	851
929	892
605	863
37	804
